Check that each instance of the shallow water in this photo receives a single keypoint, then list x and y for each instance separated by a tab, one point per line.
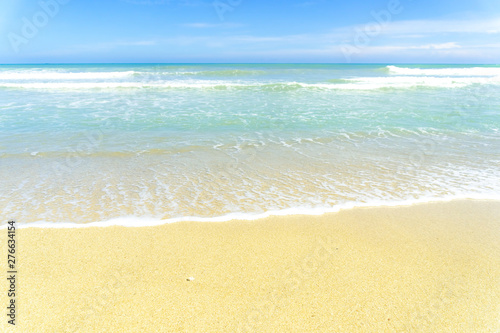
90	143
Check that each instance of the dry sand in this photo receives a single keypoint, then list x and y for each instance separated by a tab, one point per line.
424	268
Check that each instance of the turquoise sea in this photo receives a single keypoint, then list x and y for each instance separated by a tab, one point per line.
139	144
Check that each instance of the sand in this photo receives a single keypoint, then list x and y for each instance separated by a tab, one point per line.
423	268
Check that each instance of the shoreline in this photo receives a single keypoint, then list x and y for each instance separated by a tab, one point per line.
429	267
131	221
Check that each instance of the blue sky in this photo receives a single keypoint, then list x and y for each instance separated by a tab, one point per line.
164	31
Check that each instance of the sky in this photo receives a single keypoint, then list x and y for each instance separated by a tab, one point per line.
250	31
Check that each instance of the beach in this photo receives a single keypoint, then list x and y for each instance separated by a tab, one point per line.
250	166
251	197
432	267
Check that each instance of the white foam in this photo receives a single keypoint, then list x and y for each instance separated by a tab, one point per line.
370	83
56	75
361	83
469	71
133	221
113	85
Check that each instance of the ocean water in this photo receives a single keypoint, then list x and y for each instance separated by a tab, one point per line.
139	144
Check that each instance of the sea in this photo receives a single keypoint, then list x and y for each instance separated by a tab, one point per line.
146	144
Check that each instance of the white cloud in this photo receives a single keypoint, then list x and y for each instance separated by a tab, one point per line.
425	27
135	43
442	46
440	39
202	25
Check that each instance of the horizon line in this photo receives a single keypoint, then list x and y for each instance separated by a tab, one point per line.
246	63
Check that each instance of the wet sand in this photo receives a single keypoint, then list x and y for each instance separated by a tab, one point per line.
424	268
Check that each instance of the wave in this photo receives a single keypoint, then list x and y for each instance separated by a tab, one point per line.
111	85
398	82
133	221
468	71
361	83
52	75
56	75
61	75
228	72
